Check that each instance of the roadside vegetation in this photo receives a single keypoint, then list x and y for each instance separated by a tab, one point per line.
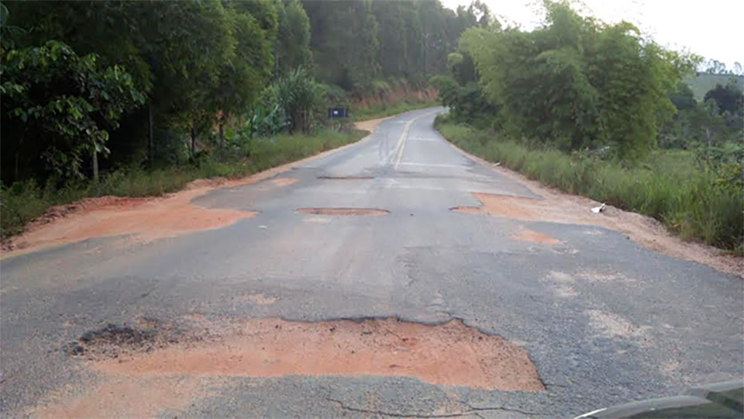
136	98
597	110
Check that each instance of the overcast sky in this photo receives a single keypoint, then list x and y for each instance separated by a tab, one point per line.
711	28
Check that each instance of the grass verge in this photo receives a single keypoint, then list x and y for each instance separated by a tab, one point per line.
687	200
382	110
23	202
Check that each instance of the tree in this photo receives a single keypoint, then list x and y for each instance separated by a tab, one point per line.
577	82
738	69
728	98
298	96
683	98
58	110
293	40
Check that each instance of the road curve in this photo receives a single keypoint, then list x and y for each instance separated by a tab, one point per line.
603	319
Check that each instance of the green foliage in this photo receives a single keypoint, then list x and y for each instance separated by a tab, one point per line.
355	43
300	99
702	203
729	98
293	40
58	108
466	103
382	110
576	82
701	82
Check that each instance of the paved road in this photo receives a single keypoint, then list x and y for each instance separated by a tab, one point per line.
634	323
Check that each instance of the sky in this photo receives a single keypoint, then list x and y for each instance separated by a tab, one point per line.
711	28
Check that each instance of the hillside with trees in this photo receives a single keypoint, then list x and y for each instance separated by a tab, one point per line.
100	92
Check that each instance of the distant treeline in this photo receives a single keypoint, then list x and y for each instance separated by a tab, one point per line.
96	85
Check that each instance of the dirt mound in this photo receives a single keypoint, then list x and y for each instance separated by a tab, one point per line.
342	211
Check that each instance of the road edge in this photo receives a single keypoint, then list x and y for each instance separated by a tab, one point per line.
702	254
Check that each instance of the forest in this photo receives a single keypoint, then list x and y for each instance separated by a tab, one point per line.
599	110
138	97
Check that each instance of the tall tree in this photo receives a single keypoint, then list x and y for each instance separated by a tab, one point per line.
293	38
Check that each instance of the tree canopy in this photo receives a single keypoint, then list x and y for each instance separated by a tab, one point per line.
197	64
578	82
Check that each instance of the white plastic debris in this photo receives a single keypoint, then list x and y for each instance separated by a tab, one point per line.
497	164
598	209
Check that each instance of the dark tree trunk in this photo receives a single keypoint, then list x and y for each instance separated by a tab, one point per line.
150	142
95	166
193	139
222	139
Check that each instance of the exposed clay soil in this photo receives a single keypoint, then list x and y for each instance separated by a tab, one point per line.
143	380
342	211
147	219
448	354
534	237
370	125
123	397
559	207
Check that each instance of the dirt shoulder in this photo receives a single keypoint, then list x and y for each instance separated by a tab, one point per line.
565	208
149	218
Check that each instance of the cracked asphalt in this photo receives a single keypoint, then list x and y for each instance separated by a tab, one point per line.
605	320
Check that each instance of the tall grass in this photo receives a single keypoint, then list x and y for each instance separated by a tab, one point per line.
670	187
23	202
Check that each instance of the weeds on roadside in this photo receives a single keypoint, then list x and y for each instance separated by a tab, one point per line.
688	200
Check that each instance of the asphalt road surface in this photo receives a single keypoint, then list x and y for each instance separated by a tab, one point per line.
604	320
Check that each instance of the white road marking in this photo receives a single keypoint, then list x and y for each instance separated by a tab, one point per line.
402	140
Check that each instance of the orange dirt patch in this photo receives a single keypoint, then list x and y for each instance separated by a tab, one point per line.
283	181
124	398
449	354
342	211
558	207
370	125
534	237
147	219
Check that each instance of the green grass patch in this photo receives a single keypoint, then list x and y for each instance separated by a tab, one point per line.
382	110
23	202
669	186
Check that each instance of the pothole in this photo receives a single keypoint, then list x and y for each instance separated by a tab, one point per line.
506	206
342	211
452	354
114	341
345	177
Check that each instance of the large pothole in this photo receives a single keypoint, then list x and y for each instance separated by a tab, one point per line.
158	367
342	211
447	354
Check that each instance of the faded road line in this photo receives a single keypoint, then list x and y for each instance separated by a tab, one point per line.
398	150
